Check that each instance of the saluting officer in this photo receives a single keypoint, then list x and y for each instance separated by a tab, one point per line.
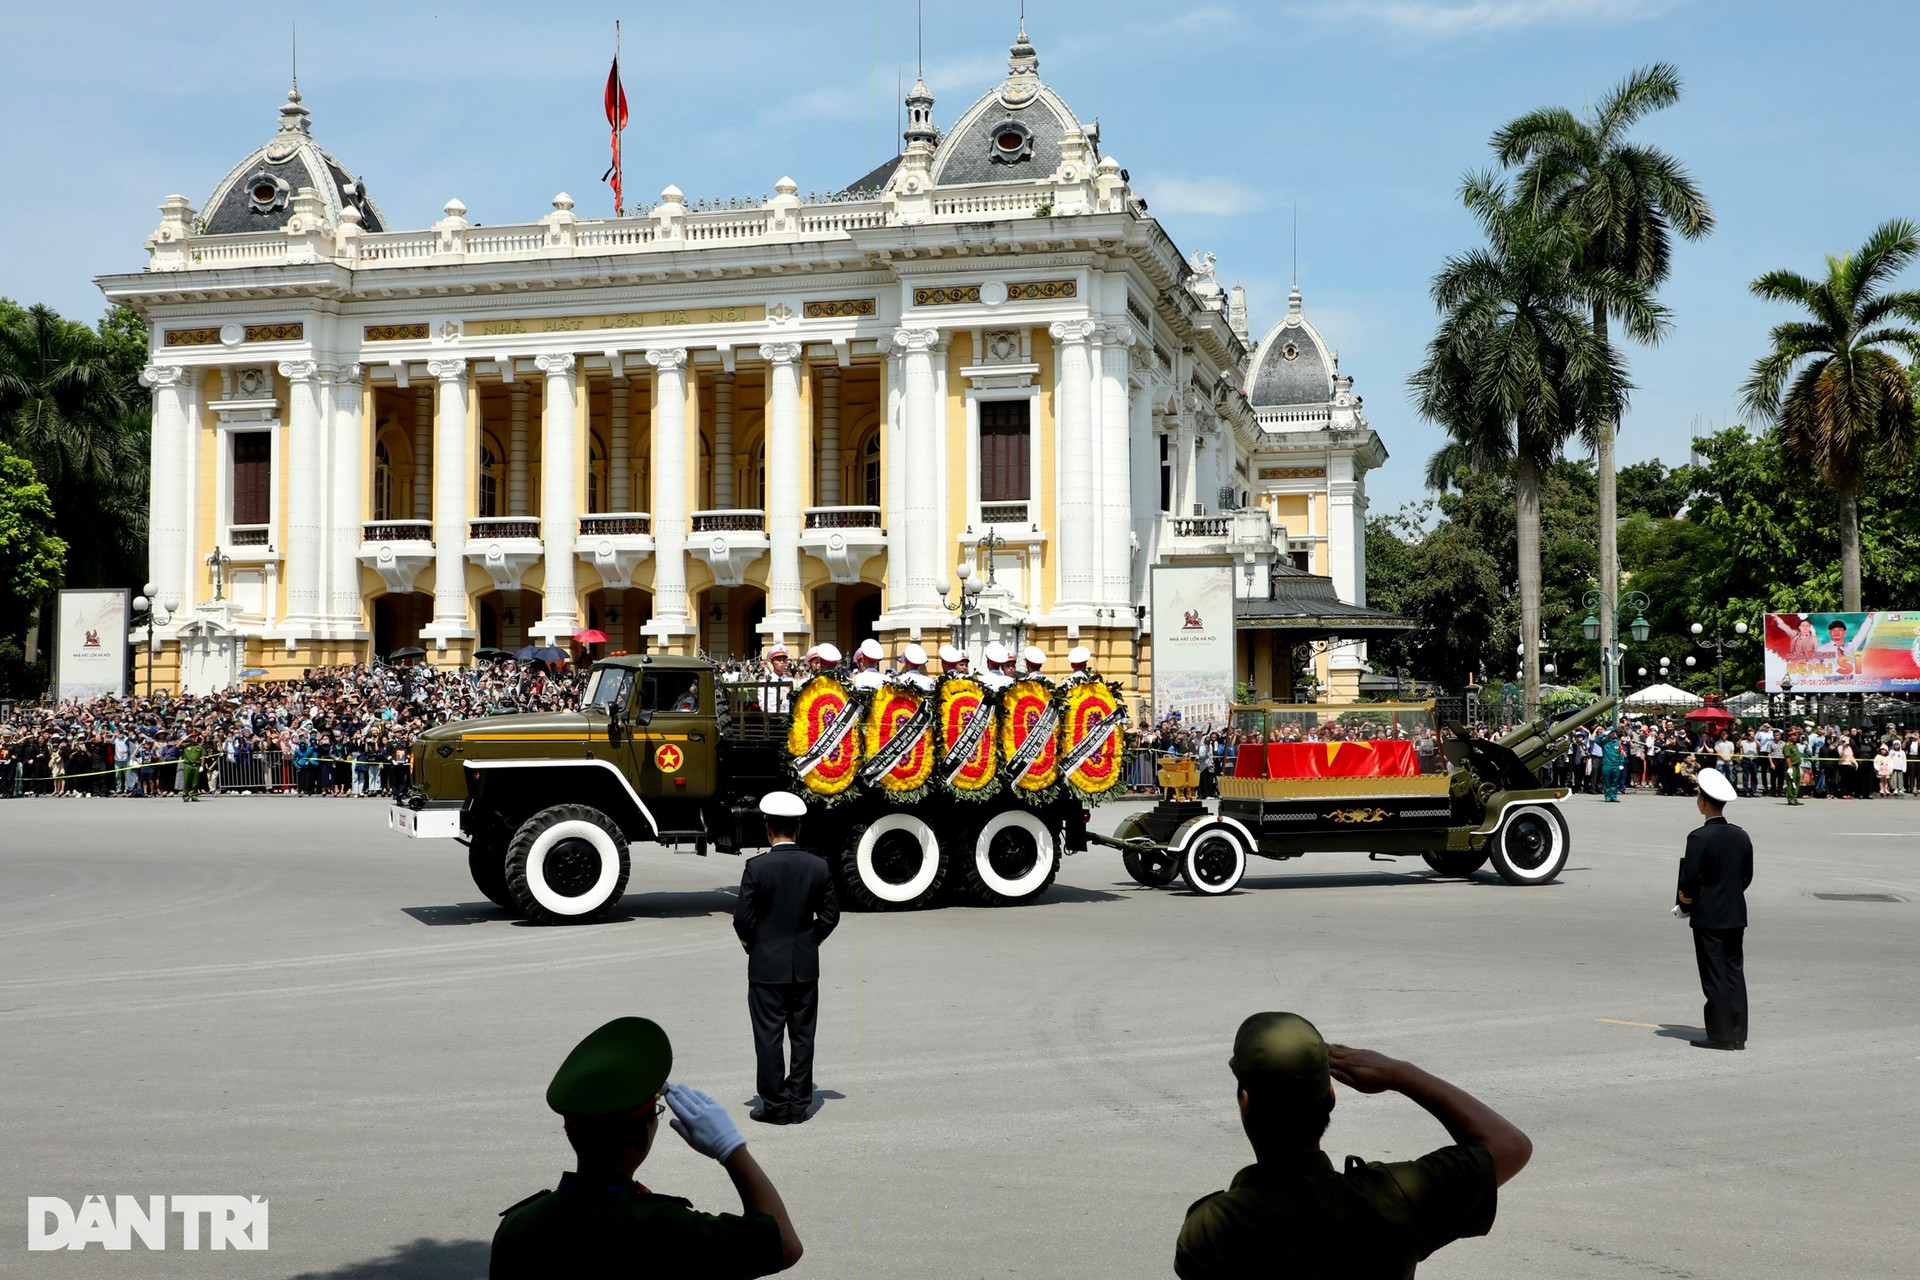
599	1221
1712	894
1291	1213
785	911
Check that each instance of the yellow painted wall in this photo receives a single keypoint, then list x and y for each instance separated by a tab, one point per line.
959	356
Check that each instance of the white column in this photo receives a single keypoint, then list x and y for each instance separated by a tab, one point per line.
304	517
919	515
348	467
423	453
1096	457
830	436
1146	489
1116	471
517	478
893	481
669	494
170	491
559	498
723	439
449	505
1076	526
785	490
620	446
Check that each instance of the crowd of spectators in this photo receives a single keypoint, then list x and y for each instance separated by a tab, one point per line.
335	731
1665	755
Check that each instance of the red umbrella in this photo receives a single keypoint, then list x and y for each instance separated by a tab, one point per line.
591	637
1711	714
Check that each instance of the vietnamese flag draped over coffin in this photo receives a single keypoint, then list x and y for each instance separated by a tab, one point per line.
1387	758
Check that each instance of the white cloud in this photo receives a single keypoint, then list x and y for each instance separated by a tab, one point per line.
1222	197
1446	19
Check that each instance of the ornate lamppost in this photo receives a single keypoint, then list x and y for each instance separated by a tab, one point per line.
1719	645
153	613
1611	652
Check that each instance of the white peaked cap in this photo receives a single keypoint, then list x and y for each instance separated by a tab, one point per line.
997	653
778	651
1034	656
914	656
828	654
1714	785
1079	656
813	651
951	655
870	650
783	804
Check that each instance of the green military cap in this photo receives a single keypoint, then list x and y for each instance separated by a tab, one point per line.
618	1067
1281	1052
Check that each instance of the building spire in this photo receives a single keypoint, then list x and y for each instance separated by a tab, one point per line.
294	117
1023	67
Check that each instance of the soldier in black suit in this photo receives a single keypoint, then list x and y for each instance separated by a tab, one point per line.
785	911
1714	875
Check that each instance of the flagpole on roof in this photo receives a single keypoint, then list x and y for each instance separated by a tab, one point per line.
619	176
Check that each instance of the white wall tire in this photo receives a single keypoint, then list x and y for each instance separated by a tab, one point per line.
1015	857
1214	861
1531	844
896	864
567	865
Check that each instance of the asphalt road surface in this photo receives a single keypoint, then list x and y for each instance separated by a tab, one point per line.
276	997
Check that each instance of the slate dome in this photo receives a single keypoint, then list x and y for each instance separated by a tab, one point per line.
1293	365
257	194
1012	134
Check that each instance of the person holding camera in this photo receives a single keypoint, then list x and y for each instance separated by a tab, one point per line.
611	1091
1291	1212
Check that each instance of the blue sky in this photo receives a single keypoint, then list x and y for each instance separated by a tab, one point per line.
1798	120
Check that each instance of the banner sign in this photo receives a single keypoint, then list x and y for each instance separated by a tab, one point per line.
90	645
1193	643
1843	652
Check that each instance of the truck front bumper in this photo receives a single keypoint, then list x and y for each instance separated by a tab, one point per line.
437	821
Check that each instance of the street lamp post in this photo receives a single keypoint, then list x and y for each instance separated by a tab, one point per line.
1719	645
152	612
1611	652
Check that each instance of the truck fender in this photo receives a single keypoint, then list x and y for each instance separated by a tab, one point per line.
626	787
1497	813
1192	827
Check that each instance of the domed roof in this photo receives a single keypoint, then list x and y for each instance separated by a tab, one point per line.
257	195
1293	365
1013	134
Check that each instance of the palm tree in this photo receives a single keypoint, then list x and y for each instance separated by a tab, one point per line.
1842	401
1628	199
1515	370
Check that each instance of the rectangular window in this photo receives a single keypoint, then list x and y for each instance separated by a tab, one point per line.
252	477
1166	474
1005	462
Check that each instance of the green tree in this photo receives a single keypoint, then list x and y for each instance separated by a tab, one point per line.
1842	401
31	559
1627	199
1515	370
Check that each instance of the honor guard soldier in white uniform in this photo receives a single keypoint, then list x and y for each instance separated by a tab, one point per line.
997	677
913	672
821	659
953	662
776	692
866	665
1078	660
1035	660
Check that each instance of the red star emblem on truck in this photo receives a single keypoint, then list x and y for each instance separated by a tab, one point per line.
668	758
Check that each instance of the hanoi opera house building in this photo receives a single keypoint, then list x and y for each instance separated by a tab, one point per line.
707	425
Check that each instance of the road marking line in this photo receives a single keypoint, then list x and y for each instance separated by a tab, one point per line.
1651	1026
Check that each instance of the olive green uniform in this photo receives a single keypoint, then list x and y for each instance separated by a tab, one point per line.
1299	1218
590	1231
1793	755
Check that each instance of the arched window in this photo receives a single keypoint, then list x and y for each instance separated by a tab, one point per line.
382	482
489	496
870	471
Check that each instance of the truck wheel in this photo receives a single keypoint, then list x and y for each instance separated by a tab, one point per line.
567	864
895	864
1214	861
487	864
1150	867
1456	862
1015	858
1531	845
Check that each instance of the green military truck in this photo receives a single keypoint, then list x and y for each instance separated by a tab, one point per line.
664	752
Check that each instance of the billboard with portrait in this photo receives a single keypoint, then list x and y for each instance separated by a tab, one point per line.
90	645
1193	643
1843	652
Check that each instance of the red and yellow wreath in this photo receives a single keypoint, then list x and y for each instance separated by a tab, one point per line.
963	700
824	707
888	715
1090	709
1027	709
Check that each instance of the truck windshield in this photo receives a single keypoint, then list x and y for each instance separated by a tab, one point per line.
607	687
668	691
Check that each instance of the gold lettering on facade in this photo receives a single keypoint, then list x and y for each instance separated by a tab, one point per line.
619	320
1293	473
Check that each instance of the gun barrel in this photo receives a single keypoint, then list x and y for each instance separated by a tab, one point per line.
1535	740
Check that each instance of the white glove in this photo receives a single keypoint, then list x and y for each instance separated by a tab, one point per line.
1678	914
703	1122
